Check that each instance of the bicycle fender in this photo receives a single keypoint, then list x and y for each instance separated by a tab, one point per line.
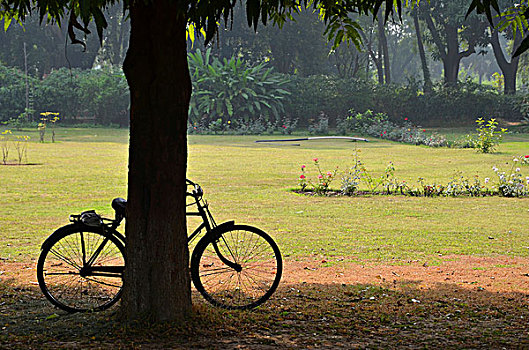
48	241
59	232
222	227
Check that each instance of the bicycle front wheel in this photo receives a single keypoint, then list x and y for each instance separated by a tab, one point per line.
239	268
81	269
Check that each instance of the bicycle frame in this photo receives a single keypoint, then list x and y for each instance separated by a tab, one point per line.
109	226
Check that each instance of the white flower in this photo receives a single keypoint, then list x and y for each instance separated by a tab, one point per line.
517	170
487	180
494	169
515	160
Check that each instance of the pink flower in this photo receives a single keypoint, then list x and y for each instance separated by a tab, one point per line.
303	167
314	159
406	118
423	130
381	135
320	176
329	174
302	177
527	156
284	126
384	133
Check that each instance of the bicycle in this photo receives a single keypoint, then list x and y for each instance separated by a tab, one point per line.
81	265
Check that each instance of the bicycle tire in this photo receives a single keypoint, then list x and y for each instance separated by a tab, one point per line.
60	269
260	261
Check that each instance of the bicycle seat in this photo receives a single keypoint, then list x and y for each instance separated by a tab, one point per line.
119	205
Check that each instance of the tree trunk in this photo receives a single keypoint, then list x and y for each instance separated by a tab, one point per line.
427	87
452	60
157	283
509	69
383	48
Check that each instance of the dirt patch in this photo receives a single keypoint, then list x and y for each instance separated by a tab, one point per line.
460	302
495	274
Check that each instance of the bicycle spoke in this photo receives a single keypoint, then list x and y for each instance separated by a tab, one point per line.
258	258
69	284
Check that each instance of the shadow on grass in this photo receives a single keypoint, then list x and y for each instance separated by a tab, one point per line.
298	316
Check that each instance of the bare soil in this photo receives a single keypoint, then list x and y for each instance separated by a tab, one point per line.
451	302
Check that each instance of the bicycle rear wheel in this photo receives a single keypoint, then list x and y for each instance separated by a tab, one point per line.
254	274
81	269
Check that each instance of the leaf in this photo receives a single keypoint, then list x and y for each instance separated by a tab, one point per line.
7	22
524	46
229	107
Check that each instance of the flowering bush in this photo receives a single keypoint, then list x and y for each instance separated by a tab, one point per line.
4	145
524	160
257	126
512	183
19	143
378	125
323	182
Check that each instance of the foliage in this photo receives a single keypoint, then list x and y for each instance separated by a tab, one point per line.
379	125
21	146
323	179
487	138
524	160
18	142
104	96
444	106
4	144
258	126
319	126
45	119
12	92
509	184
231	89
99	96
512	183
23	120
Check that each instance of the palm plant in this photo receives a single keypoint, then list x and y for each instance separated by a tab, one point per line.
232	89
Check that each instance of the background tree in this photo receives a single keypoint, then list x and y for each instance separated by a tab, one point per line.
46	47
427	80
454	35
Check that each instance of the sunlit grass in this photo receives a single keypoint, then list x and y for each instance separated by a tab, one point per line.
250	182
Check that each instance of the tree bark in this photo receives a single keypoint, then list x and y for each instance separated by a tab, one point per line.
427	87
509	69
157	283
383	45
373	56
449	53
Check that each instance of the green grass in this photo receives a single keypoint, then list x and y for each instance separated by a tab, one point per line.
250	183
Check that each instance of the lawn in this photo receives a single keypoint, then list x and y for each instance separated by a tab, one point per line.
368	271
250	182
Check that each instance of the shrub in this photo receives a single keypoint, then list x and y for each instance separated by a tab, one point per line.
378	125
258	126
487	138
12	92
233	90
511	183
104	96
444	106
323	179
